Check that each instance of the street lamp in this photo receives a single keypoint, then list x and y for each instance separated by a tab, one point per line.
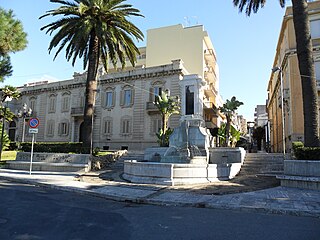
24	113
7	99
276	69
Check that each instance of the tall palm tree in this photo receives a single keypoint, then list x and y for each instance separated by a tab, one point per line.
305	61
96	31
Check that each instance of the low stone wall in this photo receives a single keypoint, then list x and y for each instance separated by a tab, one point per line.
178	174
54	157
301	174
223	155
56	162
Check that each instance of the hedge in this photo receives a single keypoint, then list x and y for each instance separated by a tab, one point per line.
305	153
53	147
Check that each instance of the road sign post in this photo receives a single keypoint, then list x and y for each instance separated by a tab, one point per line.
33	124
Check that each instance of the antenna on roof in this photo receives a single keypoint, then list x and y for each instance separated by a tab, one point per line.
186	21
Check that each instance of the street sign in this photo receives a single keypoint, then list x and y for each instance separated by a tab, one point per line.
33	130
34	122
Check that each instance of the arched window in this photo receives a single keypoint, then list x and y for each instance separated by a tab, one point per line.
65	102
126	96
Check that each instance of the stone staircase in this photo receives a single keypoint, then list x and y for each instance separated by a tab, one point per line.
130	155
263	164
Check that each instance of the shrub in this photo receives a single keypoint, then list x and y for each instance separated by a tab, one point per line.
53	147
305	153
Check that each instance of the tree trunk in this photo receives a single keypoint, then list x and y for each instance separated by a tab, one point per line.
164	129
226	144
91	87
306	67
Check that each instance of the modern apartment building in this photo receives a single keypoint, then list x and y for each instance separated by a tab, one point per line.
289	117
175	58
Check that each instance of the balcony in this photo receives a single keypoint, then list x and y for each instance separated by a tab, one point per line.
209	55
151	108
210	76
210	108
77	111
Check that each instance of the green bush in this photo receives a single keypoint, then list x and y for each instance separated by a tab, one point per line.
305	153
53	147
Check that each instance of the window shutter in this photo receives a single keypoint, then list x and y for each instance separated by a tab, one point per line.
121	97
151	94
59	129
104	99
132	96
113	98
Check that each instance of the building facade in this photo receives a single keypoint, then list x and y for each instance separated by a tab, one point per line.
289	117
125	116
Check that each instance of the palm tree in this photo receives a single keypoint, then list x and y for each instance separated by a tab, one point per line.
305	61
228	109
167	106
96	31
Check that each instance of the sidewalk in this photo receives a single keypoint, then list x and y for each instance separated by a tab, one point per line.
278	200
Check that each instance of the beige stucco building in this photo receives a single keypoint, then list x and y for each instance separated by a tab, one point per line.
286	59
174	58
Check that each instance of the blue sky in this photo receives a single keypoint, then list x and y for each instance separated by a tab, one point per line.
245	46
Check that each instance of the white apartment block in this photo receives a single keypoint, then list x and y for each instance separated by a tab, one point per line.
125	117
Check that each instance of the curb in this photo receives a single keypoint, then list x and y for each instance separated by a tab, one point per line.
145	200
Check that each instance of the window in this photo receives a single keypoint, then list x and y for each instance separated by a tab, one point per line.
107	126
126	97
109	99
155	125
126	126
315	28
50	128
32	104
52	104
82	101
63	129
157	92
65	107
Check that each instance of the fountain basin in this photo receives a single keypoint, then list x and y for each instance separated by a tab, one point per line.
175	174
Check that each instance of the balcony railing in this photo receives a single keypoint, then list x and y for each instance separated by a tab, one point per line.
150	107
77	111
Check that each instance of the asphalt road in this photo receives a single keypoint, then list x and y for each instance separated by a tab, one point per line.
28	212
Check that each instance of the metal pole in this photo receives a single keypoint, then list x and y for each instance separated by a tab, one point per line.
2	132
23	128
31	153
282	113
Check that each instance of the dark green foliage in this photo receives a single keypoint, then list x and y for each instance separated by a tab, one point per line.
12	39
163	138
305	153
53	147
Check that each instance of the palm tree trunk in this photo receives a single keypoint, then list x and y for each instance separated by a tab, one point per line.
226	144
306	66
91	87
164	129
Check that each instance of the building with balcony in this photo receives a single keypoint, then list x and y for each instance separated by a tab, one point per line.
286	59
125	116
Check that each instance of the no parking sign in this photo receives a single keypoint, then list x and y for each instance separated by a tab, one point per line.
34	122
